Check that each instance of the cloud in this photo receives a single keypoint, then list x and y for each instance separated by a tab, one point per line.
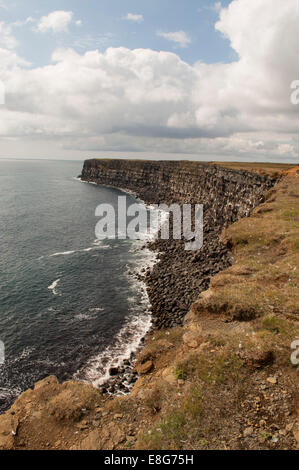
144	100
88	41
217	6
134	17
286	149
9	59
7	40
20	23
57	22
180	38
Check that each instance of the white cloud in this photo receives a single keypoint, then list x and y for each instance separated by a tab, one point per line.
20	23
145	100
9	60
286	149
134	17
7	40
217	6
57	22
180	38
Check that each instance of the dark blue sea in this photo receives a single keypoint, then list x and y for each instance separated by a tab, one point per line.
68	305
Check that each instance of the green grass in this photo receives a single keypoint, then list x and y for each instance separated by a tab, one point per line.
279	326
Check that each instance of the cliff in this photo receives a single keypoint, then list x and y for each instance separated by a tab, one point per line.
214	381
227	195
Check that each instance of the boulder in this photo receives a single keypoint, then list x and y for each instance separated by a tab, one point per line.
145	368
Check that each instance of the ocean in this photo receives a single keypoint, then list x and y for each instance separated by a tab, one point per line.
68	304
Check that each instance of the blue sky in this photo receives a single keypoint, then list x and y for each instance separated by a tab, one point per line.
201	79
103	25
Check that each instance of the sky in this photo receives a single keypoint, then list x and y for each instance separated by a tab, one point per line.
161	79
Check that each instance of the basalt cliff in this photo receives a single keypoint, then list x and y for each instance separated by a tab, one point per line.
227	195
219	369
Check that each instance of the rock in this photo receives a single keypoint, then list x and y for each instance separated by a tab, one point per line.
164	344
113	371
248	432
47	381
145	368
117	434
272	380
168	375
227	195
192	339
82	426
91	442
6	435
118	416
296	435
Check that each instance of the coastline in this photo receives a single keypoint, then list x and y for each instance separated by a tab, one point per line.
167	282
121	375
233	351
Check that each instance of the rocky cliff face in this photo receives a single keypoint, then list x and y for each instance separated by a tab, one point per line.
227	195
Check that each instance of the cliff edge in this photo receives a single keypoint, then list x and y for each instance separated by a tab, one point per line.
227	195
222	378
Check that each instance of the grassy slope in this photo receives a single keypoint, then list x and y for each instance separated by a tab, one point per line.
257	167
224	391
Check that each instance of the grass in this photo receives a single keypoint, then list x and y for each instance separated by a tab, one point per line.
242	304
279	326
154	399
217	367
268	243
181	421
167	434
296	246
174	428
193	403
181	371
262	289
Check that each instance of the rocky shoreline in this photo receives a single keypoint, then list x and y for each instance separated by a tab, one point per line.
179	276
